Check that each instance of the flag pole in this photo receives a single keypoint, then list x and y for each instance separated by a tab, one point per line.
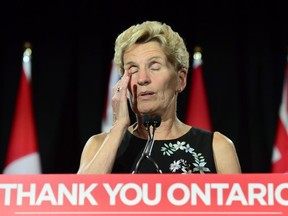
27	57
197	56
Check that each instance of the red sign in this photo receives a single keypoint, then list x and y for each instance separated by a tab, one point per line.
144	194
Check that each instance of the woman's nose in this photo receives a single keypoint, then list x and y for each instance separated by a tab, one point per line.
143	77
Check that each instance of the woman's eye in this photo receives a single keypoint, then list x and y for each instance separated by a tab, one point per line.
155	66
133	70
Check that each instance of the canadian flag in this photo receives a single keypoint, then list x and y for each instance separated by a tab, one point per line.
107	119
280	150
197	110
22	155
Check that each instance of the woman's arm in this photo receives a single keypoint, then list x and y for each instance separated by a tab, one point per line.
99	152
225	155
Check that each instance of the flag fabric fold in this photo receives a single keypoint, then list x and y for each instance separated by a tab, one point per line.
280	149
197	113
22	153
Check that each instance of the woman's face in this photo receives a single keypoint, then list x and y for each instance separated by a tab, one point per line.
154	83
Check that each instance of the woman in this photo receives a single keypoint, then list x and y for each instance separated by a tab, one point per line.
153	62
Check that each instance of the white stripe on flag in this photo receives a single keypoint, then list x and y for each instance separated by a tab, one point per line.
24	165
283	107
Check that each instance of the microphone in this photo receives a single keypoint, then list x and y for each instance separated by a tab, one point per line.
149	121
155	121
146	121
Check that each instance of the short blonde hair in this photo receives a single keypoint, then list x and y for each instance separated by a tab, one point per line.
173	45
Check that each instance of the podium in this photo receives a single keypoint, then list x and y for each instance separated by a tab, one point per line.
144	194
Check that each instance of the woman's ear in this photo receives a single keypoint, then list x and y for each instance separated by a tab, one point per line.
182	79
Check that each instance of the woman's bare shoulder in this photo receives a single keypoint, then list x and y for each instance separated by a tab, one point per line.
226	158
96	140
99	136
221	139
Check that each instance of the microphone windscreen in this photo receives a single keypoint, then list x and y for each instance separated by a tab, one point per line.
146	120
156	121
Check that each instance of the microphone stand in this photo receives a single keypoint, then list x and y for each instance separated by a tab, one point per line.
155	121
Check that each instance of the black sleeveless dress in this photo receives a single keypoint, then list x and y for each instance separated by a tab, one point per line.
190	153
